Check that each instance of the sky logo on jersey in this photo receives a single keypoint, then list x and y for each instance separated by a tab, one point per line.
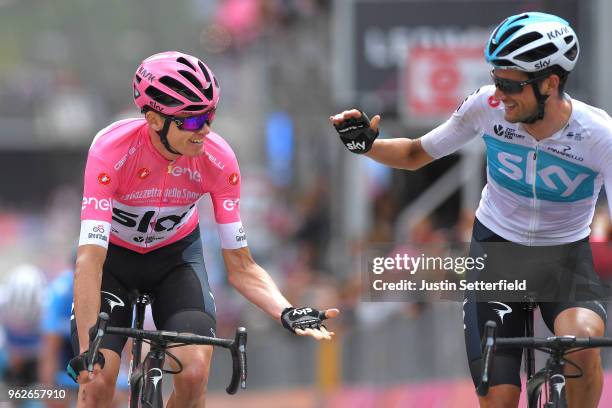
518	169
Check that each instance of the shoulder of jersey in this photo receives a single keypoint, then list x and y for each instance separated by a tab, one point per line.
218	148
112	136
483	97
594	119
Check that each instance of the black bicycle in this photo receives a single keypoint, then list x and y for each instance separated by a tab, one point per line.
551	376
145	378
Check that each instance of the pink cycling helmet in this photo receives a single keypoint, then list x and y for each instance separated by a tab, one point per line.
174	83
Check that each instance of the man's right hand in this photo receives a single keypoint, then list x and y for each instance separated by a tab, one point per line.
77	368
356	131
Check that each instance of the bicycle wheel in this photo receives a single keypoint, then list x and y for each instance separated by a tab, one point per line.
534	390
534	393
136	384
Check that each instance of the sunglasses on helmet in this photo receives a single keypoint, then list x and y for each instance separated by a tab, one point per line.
194	123
511	87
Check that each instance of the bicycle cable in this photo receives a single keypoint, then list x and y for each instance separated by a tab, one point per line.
172	356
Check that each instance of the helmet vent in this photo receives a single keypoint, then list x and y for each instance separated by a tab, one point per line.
497	29
520	42
194	108
191	78
138	79
179	88
216	82
518	18
185	62
204	70
543	51
502	63
572	53
569	39
508	33
161	97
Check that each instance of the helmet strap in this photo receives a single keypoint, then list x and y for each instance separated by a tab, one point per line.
163	136
541	100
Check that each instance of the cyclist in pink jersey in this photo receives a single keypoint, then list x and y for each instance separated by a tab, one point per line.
140	233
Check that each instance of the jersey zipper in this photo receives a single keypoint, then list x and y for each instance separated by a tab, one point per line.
161	200
534	218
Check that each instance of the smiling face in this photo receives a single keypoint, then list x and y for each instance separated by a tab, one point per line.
518	106
187	142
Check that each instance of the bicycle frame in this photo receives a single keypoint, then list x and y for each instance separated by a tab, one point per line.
552	374
150	392
139	304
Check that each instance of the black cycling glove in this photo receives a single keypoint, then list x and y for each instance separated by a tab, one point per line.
302	318
356	134
79	363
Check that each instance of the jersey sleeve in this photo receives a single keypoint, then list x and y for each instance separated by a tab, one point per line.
458	130
99	185
225	198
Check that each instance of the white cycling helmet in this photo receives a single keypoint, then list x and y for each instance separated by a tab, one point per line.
532	42
23	296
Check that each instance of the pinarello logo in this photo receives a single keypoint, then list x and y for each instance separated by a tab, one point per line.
493	102
104	178
143	173
233	179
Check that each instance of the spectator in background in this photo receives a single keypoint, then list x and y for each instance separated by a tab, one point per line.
20	313
56	349
601	243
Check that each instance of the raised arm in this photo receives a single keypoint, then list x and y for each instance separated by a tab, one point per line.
400	153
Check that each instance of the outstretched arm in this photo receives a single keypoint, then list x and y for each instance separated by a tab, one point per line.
254	283
400	153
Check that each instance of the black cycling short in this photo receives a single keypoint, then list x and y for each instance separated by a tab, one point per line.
175	278
542	266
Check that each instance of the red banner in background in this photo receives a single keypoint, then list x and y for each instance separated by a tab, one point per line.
434	81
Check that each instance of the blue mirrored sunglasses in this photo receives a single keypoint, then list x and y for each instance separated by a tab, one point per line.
194	123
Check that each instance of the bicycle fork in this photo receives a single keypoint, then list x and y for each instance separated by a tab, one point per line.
556	383
153	375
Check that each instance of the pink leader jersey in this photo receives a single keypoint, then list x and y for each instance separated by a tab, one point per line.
141	201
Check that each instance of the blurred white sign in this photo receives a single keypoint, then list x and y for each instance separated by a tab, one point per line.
436	80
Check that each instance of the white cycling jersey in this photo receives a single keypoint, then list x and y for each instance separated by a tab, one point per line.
537	192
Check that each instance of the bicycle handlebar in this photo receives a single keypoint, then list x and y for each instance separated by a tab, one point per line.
237	346
239	362
94	347
555	343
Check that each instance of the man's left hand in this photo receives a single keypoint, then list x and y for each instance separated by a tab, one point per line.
306	321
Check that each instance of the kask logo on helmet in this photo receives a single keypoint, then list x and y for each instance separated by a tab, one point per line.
555	33
146	74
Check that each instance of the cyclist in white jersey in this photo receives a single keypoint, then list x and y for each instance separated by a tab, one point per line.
548	156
